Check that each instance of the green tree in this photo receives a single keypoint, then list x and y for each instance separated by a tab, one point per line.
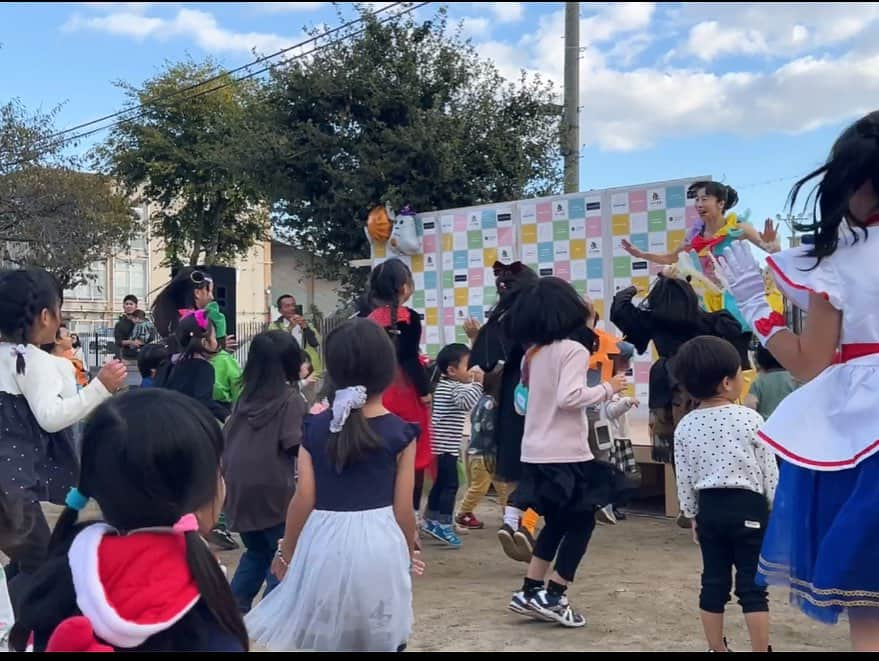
181	152
404	112
51	214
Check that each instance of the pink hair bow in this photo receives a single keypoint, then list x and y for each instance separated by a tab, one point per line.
201	317
187	523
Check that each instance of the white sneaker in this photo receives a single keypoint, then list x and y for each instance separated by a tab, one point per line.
606	515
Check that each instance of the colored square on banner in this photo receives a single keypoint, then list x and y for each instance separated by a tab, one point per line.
595	289
656	221
655	199
505	254
476	276
593	203
578	269
593	247
417	281
580	286
578	249
618	249
418	298
489	256
675	219
449	298
545	270
474	239
476	312
638	222
428	225
461	297
505	236
476	259
563	270
460	278
593	227
461	241
505	217
489	296
622	267
431	298
561	251
448	261
577	229
461	314
476	295
544	232
529	233
379	250
448	316
675	196
432	336
489	238
642	283
640	268
544	252
619	204
431	316
675	238
642	371
619	225
598	305
489	219
640	241
560	210
460	223
448	242
433	347
637	201
461	336
544	212
448	279
594	269
447	224
417	263
655	269
529	214
560	230
657	242
460	260
529	254
621	283
577	209
430	280
428	243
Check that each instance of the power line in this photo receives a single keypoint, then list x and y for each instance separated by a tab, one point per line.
47	147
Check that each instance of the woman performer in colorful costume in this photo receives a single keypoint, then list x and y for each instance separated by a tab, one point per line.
823	533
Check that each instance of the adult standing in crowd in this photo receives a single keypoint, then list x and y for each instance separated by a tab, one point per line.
293	322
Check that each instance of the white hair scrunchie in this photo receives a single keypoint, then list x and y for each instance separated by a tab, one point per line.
345	401
19	350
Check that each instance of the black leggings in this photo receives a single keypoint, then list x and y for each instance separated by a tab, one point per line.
419	488
27	552
441	499
567	533
730	526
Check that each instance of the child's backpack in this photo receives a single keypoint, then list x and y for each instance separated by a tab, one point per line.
482	424
520	394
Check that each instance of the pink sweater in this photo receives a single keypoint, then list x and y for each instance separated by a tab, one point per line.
556	429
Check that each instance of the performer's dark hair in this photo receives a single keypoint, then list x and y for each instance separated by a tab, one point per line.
717	190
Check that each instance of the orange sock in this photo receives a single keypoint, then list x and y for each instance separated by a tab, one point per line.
529	520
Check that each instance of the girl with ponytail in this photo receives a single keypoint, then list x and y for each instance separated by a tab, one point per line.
349	542
143	579
36	465
408	396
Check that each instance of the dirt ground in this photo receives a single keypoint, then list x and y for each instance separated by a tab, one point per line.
638	587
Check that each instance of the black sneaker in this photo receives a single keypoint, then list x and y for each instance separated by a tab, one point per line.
505	536
557	610
524	543
619	514
222	539
520	604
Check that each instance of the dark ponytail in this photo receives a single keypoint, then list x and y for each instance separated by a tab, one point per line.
24	294
358	353
386	281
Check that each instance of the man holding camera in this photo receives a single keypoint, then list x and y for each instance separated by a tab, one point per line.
293	322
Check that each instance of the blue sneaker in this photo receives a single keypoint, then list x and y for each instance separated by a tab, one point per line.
430	527
447	535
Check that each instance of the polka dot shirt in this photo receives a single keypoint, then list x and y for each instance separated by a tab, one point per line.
718	448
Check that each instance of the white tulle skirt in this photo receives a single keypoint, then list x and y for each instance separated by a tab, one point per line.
348	588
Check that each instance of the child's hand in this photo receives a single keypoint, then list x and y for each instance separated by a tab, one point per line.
112	375
695	533
416	564
279	569
618	383
636	402
477	375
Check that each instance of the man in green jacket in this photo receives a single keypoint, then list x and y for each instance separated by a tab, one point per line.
293	322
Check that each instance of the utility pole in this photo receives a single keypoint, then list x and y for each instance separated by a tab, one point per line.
571	121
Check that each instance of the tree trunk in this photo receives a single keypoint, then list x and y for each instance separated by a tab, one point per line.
213	243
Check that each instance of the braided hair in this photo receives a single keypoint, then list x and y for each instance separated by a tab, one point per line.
386	282
24	294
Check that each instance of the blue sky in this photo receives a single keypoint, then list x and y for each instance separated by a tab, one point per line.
751	93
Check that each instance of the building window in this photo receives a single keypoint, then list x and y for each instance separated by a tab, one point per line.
129	277
95	287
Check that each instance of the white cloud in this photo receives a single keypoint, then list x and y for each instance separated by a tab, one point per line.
475	27
131	7
286	7
504	12
624	109
198	25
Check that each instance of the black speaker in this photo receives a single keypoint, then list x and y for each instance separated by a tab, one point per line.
225	285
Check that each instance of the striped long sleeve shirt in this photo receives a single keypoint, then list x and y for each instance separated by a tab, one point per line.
452	403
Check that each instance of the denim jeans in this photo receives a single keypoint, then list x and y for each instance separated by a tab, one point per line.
255	566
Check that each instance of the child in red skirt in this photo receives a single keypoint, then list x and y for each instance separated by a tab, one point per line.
390	287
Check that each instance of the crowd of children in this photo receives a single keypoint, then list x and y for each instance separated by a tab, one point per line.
326	499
